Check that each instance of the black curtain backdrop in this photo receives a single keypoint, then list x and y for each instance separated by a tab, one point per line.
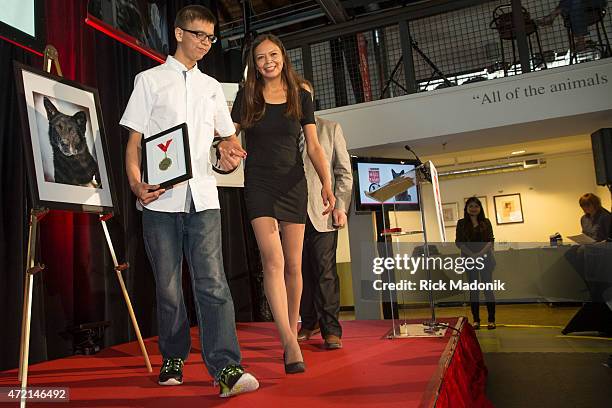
13	205
79	284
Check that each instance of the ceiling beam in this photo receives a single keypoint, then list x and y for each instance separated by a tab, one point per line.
272	24
349	4
334	10
377	20
222	9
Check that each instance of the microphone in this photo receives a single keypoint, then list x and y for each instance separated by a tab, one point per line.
419	166
414	153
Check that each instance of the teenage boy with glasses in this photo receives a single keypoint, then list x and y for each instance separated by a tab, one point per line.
186	219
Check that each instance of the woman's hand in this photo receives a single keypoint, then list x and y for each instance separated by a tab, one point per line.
484	251
231	153
329	201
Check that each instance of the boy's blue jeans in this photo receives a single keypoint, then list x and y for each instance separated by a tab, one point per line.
197	235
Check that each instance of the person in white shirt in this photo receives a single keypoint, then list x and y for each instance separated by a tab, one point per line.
186	218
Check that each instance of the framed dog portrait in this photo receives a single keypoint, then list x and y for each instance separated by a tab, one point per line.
64	142
165	157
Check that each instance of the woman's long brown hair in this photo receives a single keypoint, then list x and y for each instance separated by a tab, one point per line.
254	104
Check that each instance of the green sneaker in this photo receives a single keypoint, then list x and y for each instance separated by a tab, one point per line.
233	381
171	372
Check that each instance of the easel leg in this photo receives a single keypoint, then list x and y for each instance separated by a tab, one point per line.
126	296
25	340
26	318
26	294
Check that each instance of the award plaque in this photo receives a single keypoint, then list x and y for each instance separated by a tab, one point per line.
165	157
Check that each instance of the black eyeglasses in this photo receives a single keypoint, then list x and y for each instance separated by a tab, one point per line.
201	35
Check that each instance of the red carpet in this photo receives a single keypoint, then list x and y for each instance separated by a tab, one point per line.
368	371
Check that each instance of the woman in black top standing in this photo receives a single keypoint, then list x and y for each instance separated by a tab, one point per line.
272	108
474	236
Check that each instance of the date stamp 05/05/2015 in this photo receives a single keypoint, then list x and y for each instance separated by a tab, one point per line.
13	394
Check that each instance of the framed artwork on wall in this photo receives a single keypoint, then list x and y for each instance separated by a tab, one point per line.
450	212
508	209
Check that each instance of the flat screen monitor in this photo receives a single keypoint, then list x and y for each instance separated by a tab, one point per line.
138	24
22	22
370	173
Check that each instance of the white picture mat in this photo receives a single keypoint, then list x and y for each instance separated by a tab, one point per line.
176	152
64	95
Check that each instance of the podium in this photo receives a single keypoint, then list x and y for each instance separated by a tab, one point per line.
425	178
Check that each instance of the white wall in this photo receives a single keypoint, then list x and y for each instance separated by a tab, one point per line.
476	107
455	112
549	197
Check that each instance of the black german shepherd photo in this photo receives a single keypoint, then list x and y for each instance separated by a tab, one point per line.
72	161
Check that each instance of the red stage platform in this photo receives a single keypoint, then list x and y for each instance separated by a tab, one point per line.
368	371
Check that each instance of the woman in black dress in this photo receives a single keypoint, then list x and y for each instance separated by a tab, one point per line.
272	108
474	236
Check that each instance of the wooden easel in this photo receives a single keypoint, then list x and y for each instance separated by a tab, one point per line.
36	215
31	269
118	269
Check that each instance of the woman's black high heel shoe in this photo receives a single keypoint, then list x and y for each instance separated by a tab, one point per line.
294	368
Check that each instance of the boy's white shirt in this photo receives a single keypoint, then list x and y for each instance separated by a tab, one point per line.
166	96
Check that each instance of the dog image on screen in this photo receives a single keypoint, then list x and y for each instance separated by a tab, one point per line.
401	196
72	161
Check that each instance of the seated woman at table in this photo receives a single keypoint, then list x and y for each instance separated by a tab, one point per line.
596	224
596	220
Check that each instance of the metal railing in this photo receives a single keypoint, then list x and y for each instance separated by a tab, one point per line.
437	44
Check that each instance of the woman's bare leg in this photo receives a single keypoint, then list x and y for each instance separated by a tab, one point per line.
268	240
292	242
